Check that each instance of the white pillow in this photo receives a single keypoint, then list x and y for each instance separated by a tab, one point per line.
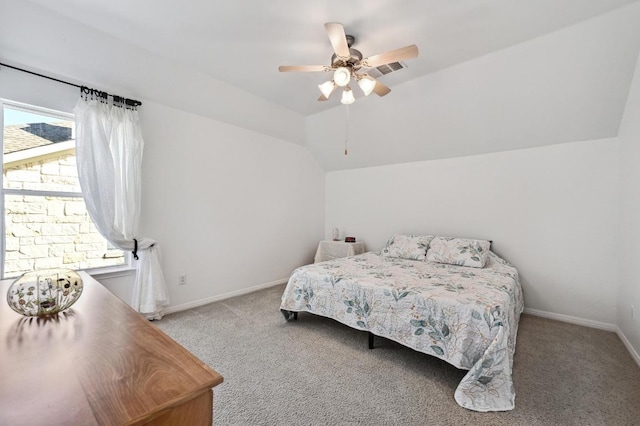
412	247
459	251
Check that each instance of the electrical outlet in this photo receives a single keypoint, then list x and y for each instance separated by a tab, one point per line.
182	279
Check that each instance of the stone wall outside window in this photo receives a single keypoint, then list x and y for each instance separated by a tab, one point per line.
50	232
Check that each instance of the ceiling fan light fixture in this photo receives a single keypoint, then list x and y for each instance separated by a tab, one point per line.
348	64
367	84
342	76
347	96
327	88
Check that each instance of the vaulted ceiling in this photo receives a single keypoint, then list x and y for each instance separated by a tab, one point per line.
242	42
492	75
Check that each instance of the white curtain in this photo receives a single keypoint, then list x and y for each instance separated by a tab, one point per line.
109	149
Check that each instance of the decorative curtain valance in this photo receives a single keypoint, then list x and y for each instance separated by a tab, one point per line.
109	147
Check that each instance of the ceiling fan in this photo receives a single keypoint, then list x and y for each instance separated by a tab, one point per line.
347	64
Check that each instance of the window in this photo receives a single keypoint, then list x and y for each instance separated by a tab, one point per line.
46	224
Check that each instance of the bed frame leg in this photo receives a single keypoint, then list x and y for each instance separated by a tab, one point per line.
289	315
370	339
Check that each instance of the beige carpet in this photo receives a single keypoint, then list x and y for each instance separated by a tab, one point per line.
315	371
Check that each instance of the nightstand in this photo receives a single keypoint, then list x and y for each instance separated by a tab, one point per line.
329	250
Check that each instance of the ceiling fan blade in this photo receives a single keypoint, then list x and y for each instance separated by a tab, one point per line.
407	52
338	39
303	68
380	89
323	98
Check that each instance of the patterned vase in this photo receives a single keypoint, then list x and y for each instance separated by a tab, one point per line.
46	292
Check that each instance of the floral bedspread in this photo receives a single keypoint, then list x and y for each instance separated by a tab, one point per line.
465	316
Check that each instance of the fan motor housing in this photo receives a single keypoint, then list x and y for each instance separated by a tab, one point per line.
354	60
356	57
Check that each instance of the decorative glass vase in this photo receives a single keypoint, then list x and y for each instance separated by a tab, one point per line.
46	292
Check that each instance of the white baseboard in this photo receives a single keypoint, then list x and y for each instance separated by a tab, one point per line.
200	302
572	320
588	323
630	348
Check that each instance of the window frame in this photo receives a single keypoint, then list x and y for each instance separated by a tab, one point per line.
106	271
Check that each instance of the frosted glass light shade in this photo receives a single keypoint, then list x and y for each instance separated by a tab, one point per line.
327	88
367	84
342	76
347	96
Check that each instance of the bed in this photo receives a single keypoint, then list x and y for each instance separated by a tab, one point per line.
447	297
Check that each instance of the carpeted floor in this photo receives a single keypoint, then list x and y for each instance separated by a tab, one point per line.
316	371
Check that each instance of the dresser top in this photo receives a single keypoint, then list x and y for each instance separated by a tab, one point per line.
99	362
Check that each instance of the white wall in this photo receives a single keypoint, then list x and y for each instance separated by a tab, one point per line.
569	85
550	211
231	208
629	230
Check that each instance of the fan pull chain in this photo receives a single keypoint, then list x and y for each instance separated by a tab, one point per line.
346	132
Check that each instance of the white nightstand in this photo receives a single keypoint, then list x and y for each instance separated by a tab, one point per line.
329	250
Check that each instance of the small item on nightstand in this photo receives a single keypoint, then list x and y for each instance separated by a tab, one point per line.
336	234
349	239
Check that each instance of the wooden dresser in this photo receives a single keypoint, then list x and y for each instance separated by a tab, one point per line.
98	363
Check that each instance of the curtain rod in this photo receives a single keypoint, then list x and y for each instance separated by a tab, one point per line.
83	89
